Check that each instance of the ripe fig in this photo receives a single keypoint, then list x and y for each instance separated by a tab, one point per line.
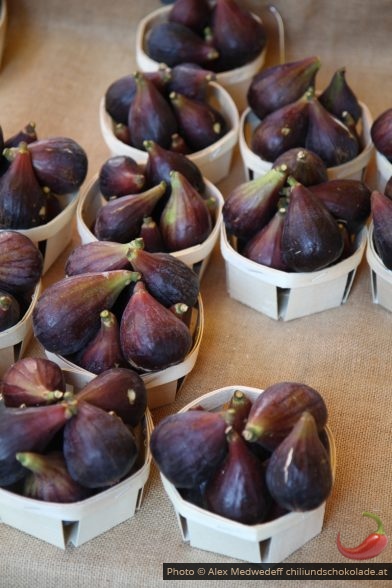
97	256
173	43
152	337
120	175
265	246
275	412
191	80
299	475
22	200
10	312
250	205
178	144
280	85
99	449
381	132
103	351
239	407
305	166
21	262
338	97
237	490
311	239
48	478
32	381
122	133
194	14
66	315
26	135
151	235
186	220
121	219
188	447
166	277
118	390
381	207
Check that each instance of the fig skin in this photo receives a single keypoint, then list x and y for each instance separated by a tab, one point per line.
99	449
299	475
338	97
120	175
21	262
381	207
66	315
10	312
381	133
151	235
97	256
239	407
194	14
152	337
265	246
118	390
191	80
103	351
32	381
275	412
303	165
188	447
26	135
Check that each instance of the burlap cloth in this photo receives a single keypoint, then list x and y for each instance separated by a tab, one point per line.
59	59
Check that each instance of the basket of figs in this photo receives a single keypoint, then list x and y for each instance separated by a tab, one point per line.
166	202
124	306
39	188
381	133
292	239
74	453
180	108
21	265
224	37
248	471
286	112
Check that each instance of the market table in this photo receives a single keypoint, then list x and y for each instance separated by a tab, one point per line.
59	59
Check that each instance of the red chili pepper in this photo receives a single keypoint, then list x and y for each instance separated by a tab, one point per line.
372	546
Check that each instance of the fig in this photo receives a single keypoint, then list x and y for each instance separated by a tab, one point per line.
150	116
381	133
66	315
299	475
280	85
97	256
103	351
338	97
194	14
239	407
173	43
122	133
21	262
99	449
346	199
311	239
186	220
32	381
166	277
152	337
22	200
305	166
251	204
265	246
328	136
120	175
48	478
200	124
178	144
237	490
151	235
26	135
275	412
30	428
188	447
59	163
121	219
10	312
381	207
118	390
191	80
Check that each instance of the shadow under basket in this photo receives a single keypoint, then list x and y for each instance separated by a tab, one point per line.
267	543
380	275
288	295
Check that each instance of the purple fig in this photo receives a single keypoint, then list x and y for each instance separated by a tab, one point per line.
186	220
66	315
21	262
22	200
152	337
151	235
311	239
338	97
191	80
237	490
381	133
239	406
188	447
118	390
250	205
48	478
121	219
10	312
166	277
281	85
265	246
328	136
194	14
97	256
122	133
275	412
29	428
178	144
120	175
99	449
103	351
299	475
32	381
173	43
200	124
381	208
305	166
26	135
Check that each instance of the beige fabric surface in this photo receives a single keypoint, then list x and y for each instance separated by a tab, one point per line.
59	59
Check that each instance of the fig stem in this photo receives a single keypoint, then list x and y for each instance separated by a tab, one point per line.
292	181
251	433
